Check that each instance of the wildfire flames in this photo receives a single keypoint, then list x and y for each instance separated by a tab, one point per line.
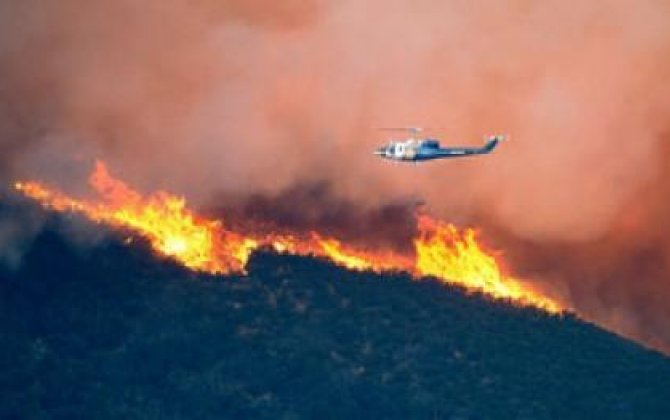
455	256
442	250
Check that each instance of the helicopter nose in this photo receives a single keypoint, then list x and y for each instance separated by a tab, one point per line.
380	152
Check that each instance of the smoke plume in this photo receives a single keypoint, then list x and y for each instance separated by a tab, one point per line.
266	101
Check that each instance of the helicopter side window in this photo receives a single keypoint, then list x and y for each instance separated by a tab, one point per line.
399	149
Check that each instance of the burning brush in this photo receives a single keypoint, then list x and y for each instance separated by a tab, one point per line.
441	250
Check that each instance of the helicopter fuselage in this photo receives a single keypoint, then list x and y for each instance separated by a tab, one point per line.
418	150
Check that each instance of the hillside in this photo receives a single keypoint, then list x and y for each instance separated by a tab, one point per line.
109	331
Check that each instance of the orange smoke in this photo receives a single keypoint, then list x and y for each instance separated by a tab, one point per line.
442	250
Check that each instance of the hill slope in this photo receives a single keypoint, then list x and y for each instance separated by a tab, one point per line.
110	332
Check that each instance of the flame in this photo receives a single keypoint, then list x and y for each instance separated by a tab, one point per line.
354	259
454	256
442	250
163	219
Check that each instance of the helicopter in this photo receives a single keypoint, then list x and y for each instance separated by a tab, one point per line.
416	149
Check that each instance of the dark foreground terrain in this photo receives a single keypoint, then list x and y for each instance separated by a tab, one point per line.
109	332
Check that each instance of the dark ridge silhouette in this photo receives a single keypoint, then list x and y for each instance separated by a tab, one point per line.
108	330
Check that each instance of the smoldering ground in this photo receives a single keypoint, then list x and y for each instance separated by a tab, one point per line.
250	99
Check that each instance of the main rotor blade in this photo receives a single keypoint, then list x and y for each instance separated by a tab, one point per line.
412	129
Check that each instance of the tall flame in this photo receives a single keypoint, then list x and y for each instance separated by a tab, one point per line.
442	250
454	256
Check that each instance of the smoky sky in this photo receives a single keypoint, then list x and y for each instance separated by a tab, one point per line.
263	100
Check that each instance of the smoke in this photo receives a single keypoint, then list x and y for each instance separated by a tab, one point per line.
268	101
18	229
620	279
313	207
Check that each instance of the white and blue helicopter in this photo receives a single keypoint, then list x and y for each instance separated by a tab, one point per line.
416	149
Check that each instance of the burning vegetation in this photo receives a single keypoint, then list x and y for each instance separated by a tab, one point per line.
441	250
